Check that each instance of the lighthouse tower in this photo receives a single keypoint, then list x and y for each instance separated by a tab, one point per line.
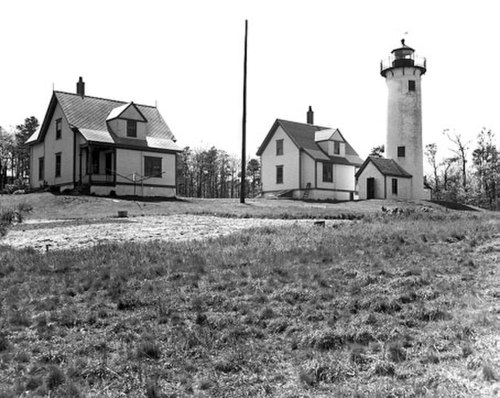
403	70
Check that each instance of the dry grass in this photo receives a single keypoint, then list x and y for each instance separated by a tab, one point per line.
389	306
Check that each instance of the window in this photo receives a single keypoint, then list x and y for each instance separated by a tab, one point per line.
152	166
58	164
41	168
336	148
58	129
394	186
131	128
279	174
279	147
401	151
411	85
327	172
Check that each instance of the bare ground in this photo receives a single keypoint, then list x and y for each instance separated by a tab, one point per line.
70	234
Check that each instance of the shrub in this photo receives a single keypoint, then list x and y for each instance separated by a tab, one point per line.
395	352
384	368
148	349
153	390
4	342
326	339
33	383
489	373
54	378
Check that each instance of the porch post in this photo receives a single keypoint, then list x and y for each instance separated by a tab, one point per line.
89	164
114	166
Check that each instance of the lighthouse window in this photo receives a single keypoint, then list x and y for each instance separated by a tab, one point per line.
411	85
401	151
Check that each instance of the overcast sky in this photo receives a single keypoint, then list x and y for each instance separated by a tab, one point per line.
188	57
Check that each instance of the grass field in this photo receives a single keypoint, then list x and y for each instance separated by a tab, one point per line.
403	305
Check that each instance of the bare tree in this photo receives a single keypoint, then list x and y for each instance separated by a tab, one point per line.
460	150
430	154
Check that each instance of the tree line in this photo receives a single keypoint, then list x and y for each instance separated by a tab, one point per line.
213	173
467	172
14	154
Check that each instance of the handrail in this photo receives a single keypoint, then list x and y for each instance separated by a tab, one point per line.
389	62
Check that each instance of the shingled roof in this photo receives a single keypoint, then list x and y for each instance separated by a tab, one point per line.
88	115
302	135
387	167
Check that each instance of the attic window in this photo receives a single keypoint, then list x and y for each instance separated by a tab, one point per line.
279	147
411	85
58	129
336	148
401	151
131	128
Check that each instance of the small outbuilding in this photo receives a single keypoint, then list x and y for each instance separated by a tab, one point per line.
380	178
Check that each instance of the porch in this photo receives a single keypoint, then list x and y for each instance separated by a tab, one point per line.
97	165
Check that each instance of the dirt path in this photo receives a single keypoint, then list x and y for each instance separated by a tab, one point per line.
57	235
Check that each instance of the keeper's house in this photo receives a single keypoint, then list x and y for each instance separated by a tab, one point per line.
103	147
305	161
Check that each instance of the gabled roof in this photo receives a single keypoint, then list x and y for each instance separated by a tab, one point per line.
118	111
302	135
88	115
387	167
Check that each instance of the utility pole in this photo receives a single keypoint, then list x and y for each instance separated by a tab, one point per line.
244	122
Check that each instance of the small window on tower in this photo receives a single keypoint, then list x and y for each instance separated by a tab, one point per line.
401	151
411	85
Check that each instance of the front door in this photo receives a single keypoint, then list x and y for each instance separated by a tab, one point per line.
370	188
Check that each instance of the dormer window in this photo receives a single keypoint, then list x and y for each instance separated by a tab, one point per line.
336	147
131	128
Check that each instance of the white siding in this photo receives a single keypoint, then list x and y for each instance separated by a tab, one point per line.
128	190
37	151
404	188
131	113
307	172
371	171
50	147
289	160
343	177
129	162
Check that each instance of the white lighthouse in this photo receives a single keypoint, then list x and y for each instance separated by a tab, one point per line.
403	71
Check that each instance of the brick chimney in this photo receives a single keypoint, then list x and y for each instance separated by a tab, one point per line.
80	87
310	116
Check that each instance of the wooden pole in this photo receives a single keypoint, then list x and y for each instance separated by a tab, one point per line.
244	121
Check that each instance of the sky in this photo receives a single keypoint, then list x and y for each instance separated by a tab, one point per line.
187	57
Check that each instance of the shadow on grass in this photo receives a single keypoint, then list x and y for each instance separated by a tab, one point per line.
454	205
